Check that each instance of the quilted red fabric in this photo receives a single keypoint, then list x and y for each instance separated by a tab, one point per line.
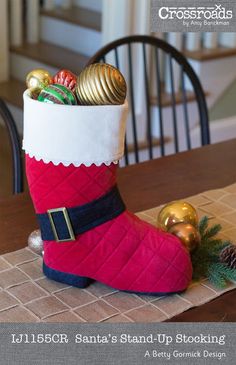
124	253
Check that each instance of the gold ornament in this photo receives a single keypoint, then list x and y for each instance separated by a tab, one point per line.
188	234
35	242
39	78
34	92
101	84
176	212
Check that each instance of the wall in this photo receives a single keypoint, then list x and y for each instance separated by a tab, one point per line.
226	106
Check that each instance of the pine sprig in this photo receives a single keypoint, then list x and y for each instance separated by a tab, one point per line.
220	274
212	231
203	224
205	259
215	277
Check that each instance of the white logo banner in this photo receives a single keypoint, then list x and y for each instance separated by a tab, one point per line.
193	16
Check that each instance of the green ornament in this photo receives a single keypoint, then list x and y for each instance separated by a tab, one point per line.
57	94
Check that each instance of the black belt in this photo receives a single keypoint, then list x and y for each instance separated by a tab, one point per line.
63	224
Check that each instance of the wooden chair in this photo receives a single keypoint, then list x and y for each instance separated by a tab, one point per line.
17	180
114	48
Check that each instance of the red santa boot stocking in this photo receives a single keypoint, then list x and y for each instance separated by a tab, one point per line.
71	163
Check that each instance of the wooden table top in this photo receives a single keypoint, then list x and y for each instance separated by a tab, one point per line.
145	186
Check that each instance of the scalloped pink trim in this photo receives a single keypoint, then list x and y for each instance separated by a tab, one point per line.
66	163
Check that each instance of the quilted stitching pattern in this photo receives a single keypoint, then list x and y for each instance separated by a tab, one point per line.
125	253
56	186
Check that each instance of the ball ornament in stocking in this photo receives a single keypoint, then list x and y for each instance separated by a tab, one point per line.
38	78
66	78
101	84
57	94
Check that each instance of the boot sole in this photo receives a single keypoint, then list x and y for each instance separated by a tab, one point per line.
83	282
70	279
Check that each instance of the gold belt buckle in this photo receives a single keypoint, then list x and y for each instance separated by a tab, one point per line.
68	224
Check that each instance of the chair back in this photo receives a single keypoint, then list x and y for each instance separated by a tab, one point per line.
158	53
17	185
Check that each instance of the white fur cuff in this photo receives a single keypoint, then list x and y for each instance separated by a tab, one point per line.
74	134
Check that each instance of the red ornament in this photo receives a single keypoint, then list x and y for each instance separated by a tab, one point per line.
66	78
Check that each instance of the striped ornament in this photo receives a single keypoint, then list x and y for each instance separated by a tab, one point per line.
101	84
57	94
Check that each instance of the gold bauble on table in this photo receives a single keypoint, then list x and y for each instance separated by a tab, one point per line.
188	234
35	242
101	84
38	78
177	211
